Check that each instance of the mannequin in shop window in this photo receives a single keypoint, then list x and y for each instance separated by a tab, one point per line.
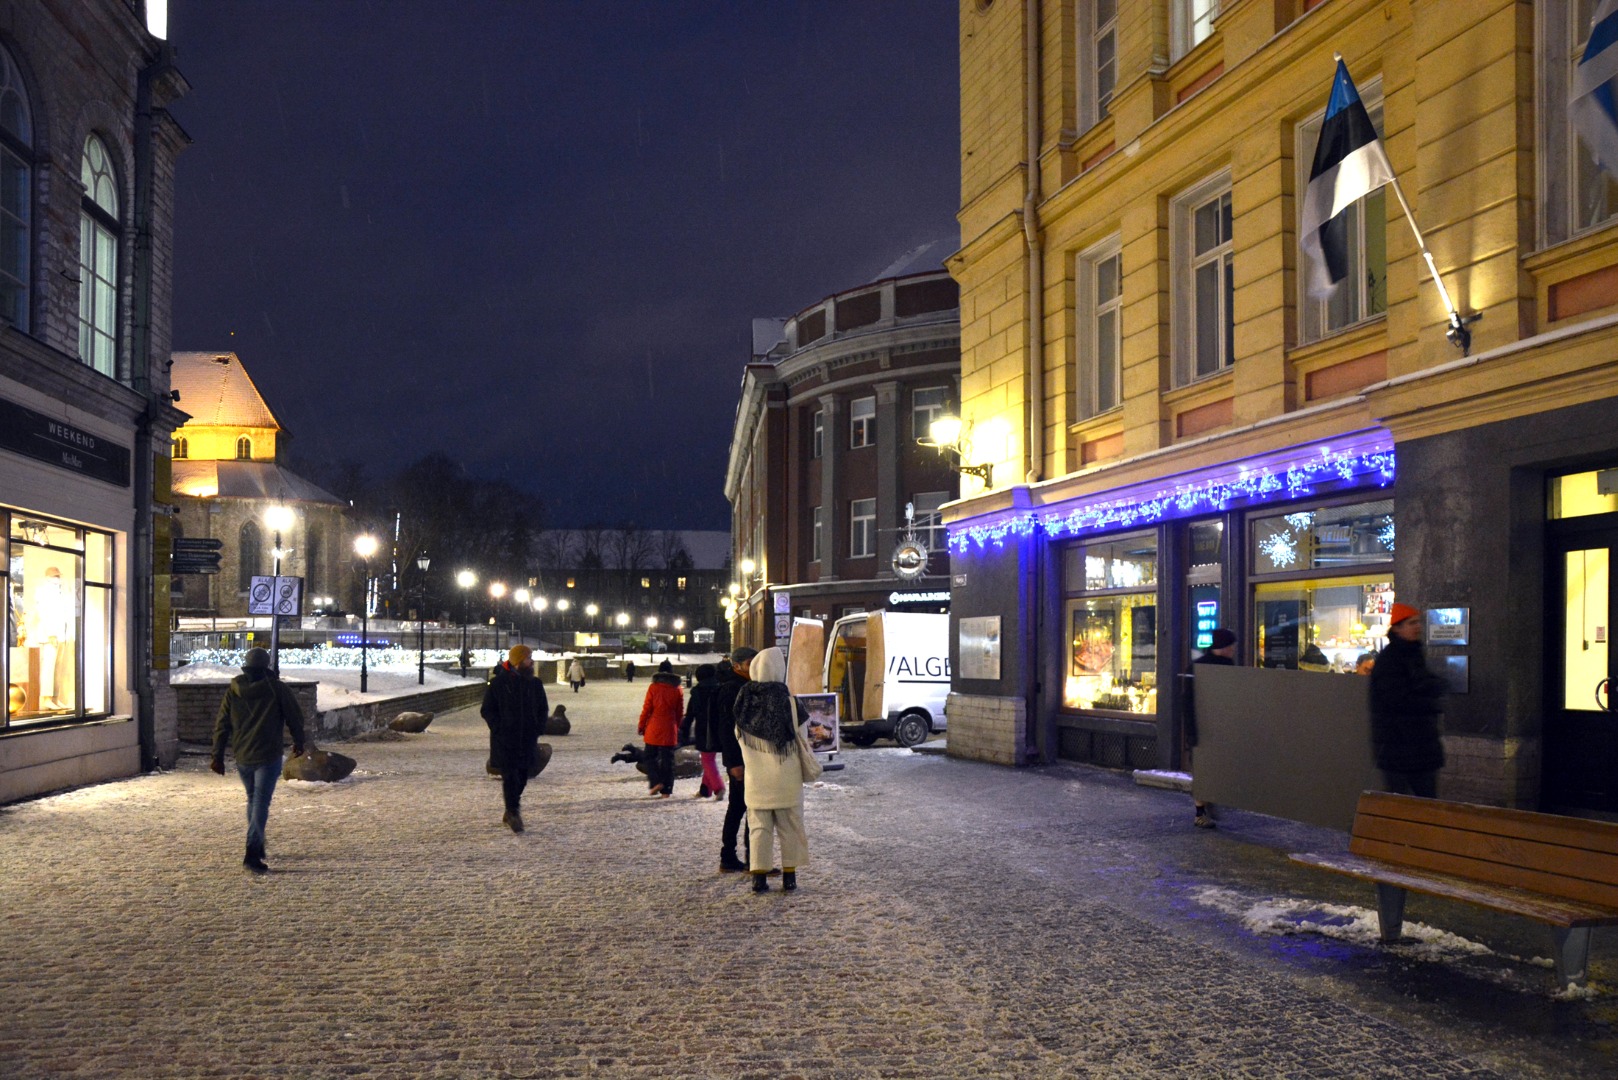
52	634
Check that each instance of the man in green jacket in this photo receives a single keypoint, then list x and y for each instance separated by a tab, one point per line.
251	717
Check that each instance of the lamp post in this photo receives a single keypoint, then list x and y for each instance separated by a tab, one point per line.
422	562
279	519
465	579
497	589
521	596
365	547
679	632
539	605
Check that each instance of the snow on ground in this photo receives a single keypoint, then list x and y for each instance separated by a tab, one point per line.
1356	925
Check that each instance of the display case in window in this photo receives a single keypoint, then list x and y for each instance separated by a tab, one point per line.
1111	624
1325	624
58	620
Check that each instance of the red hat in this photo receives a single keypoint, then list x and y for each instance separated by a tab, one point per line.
1398	613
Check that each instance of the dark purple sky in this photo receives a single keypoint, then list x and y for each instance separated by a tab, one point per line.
534	234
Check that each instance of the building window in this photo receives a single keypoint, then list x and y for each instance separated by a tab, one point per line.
244	449
1110	617
817	445
929	520
1190	23
646	583
182	448
251	551
58	599
1099	346
679	584
570	582
1098	60
16	193
98	259
862	422
1364	293
1323	584
1205	338
927	405
861	528
313	541
816	530
1576	195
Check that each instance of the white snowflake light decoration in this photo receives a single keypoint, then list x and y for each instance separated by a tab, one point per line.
1301	521
1386	535
1280	549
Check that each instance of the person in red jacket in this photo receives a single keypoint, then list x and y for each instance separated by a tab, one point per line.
660	726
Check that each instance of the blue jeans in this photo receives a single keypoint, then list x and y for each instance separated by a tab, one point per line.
259	780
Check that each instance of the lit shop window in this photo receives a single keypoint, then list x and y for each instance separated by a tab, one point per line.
1110	618
1582	495
58	595
1329	589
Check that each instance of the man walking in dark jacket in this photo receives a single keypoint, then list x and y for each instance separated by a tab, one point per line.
732	677
251	718
515	708
1406	701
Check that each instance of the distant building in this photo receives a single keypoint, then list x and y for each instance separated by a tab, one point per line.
227	473
87	155
824	457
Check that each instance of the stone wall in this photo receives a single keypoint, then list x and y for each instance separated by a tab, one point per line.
992	729
198	707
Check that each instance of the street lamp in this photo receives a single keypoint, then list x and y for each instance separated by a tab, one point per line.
365	547
497	589
748	566
679	628
279	519
465	579
422	562
947	435
521	596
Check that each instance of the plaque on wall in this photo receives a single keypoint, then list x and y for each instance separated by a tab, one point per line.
980	647
1449	626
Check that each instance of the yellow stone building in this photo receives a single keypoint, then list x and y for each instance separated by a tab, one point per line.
1183	437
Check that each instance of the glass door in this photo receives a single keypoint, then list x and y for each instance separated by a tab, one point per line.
1581	730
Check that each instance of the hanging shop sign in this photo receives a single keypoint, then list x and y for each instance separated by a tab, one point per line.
910	559
45	438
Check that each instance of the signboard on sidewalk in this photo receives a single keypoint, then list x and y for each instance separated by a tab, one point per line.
275	596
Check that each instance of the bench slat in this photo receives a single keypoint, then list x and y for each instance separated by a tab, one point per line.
1510	901
1559	871
1599	837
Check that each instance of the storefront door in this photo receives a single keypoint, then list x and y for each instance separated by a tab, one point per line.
1581	730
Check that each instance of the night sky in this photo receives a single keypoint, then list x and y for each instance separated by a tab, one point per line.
533	235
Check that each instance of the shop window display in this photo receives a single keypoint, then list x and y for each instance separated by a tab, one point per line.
58	597
1111	622
1326	624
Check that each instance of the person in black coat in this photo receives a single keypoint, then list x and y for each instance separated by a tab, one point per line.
699	730
515	708
1406	702
727	687
1221	650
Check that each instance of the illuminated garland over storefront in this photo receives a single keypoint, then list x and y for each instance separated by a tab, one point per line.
1292	474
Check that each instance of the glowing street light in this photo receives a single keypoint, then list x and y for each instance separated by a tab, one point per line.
422	562
279	519
591	610
748	566
735	589
465	579
365	546
622	619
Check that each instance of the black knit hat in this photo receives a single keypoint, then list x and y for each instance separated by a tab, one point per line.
665	666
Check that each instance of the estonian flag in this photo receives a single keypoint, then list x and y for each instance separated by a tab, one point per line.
1349	164
1593	108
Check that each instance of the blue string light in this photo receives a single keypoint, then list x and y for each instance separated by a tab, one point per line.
1291	477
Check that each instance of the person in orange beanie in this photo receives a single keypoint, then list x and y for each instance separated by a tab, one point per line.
1406	703
515	708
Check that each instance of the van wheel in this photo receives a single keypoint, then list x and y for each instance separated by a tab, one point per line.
911	728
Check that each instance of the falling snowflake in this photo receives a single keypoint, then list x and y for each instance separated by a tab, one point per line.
1386	535
1280	549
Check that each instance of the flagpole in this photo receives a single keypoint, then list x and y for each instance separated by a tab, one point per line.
1458	334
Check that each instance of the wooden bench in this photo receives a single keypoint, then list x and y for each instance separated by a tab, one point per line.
1556	870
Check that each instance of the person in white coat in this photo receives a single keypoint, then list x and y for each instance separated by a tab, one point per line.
768	727
575	674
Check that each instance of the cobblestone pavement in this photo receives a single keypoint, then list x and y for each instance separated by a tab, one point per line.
957	920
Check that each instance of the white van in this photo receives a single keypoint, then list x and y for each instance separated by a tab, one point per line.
890	672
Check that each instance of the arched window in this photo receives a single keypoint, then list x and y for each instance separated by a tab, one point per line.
16	193
313	539
252	555
98	259
244	449
182	449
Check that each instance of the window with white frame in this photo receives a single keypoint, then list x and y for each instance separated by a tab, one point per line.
862	422
1098	59
817	444
1099	327
816	531
98	259
929	519
1576	195
927	405
16	193
861	528
1364	293
1205	326
1190	23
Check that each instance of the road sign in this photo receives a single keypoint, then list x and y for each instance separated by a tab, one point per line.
199	555
287	593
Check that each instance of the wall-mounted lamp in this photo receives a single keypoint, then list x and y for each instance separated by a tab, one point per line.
946	434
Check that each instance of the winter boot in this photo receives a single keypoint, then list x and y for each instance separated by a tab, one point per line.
789	880
730	864
761	882
255	859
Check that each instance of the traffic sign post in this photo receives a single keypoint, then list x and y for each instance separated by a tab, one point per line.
195	556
